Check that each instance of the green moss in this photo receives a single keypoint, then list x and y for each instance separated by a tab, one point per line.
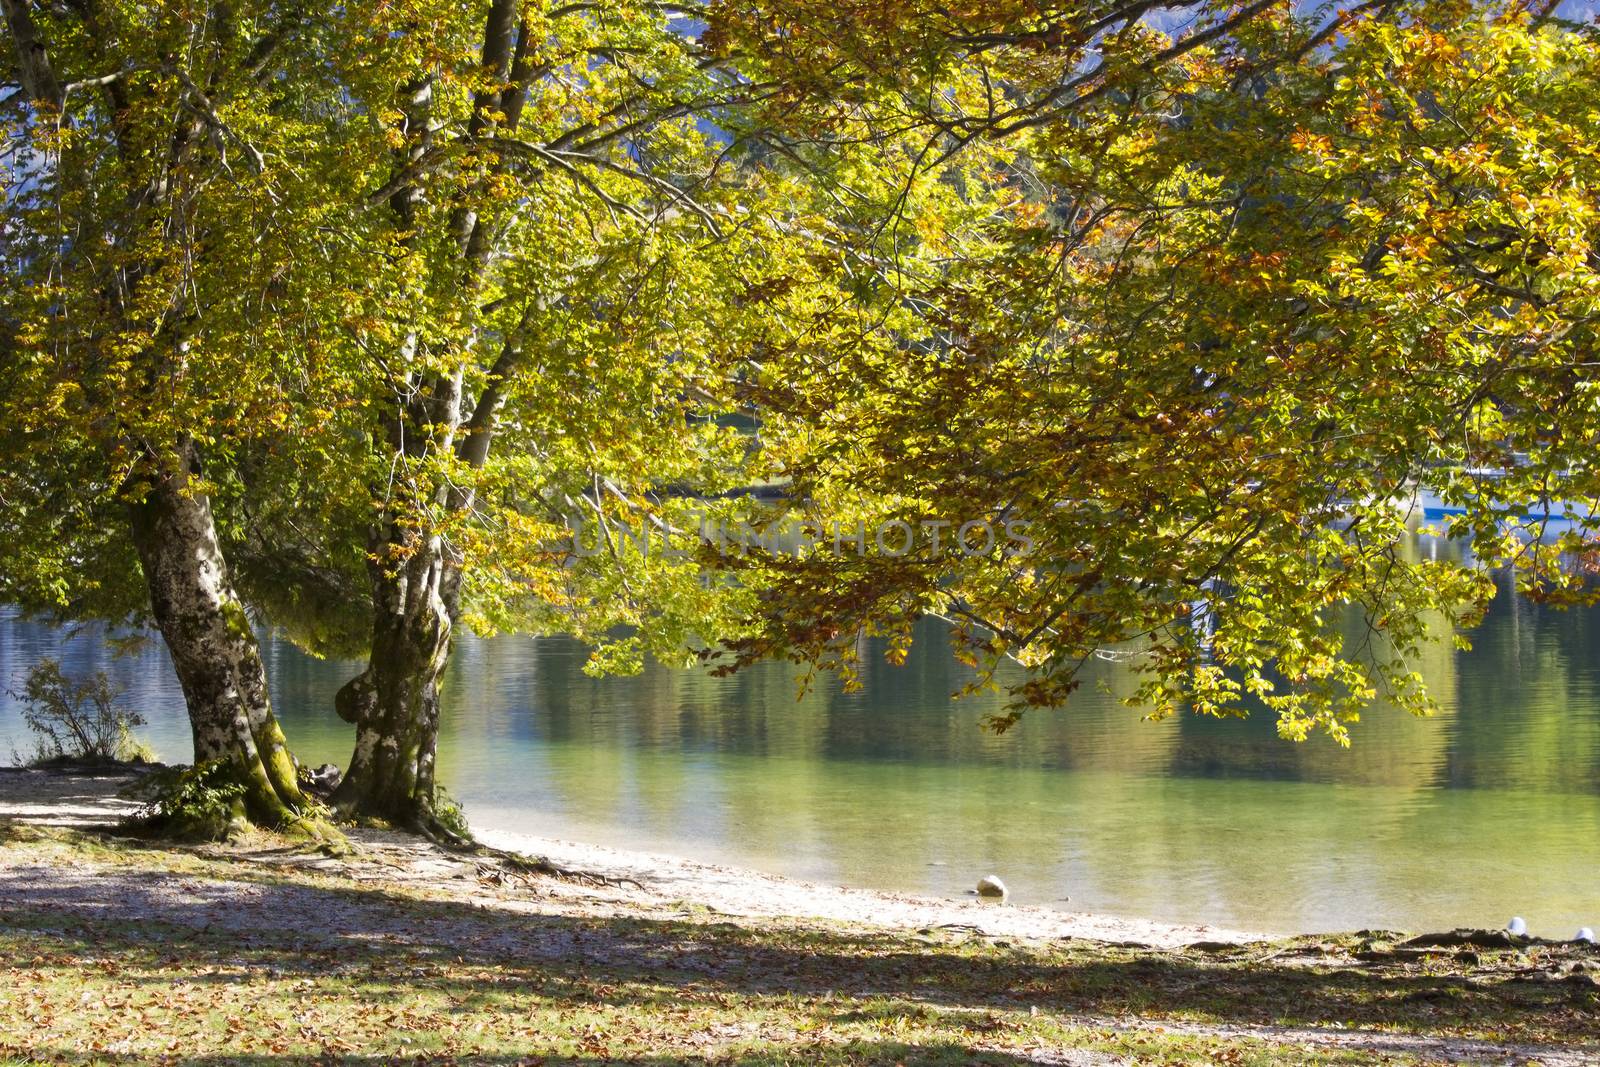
281	772
237	621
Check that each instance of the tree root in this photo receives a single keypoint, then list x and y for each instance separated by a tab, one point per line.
1470	939
434	829
318	832
503	866
515	868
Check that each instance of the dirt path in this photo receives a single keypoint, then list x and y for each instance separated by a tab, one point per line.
250	911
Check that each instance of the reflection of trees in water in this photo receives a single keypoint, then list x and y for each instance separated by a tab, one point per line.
1530	721
1185	818
896	787
1388	746
1520	711
902	714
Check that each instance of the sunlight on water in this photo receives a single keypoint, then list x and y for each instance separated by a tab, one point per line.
1491	808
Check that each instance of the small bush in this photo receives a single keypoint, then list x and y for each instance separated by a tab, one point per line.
78	721
203	802
450	814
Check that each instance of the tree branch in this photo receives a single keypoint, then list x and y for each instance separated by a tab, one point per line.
37	74
478	433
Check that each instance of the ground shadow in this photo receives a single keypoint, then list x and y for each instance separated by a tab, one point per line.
263	921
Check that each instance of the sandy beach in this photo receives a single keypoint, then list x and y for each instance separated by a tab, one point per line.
653	959
640	880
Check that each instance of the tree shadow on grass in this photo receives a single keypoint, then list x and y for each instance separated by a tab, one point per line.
390	948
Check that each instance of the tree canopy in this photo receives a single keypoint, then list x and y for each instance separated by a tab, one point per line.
1203	339
1114	330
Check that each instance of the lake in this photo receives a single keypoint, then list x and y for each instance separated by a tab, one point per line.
1488	809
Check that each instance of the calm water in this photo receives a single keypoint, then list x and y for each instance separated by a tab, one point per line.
1491	808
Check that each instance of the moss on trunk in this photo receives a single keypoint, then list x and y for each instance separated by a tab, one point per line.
394	702
237	738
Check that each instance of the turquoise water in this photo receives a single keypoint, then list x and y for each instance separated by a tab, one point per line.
1489	809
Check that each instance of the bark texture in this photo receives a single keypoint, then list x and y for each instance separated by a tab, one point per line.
33	59
394	702
213	648
416	576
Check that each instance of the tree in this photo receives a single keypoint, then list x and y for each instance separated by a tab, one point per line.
561	235
1215	326
157	158
465	278
348	317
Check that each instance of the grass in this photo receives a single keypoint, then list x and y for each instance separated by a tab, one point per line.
149	955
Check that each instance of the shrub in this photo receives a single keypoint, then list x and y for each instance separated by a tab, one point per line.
450	814
78	720
204	802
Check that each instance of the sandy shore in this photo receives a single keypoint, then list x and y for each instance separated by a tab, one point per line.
735	891
279	948
642	880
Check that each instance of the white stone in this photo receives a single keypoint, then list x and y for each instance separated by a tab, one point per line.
990	886
1517	927
1585	934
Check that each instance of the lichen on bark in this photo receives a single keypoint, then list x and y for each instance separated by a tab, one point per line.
215	655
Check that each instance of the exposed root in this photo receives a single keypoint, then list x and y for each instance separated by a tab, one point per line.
318	832
500	867
507	867
1470	939
514	868
440	833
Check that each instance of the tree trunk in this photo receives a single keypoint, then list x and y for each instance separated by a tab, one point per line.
394	702
213	649
416	574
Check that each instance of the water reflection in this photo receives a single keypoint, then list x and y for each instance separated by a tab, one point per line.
1489	808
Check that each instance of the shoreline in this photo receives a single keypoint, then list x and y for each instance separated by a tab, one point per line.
261	950
747	893
86	798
